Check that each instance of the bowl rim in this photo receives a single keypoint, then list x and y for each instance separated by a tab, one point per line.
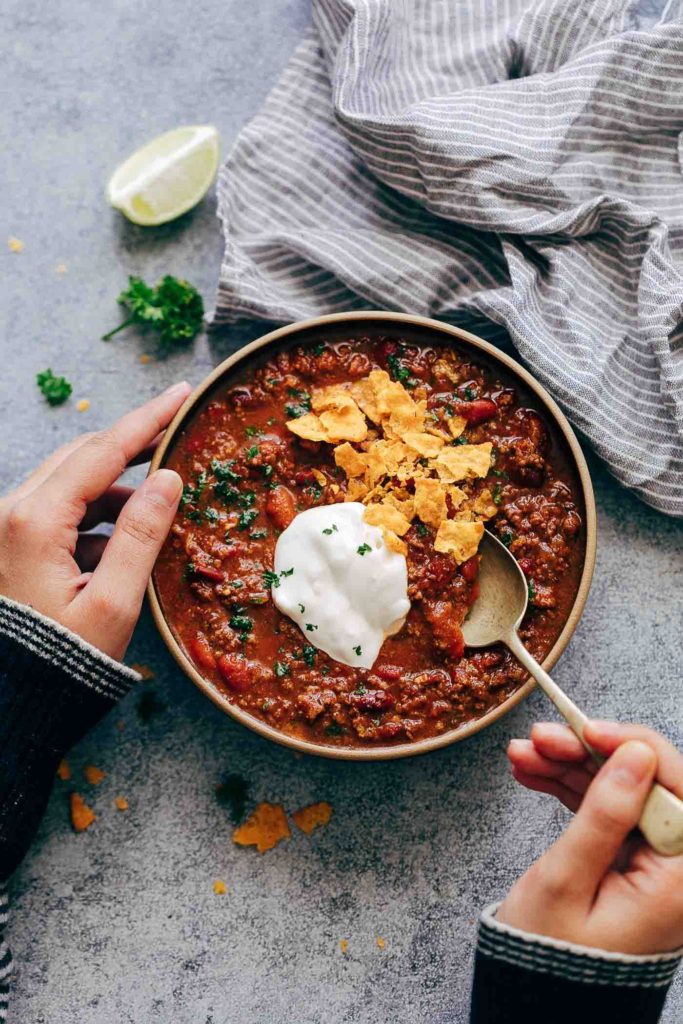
426	745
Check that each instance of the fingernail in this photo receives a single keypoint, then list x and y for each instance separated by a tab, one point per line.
515	745
164	487
174	389
630	764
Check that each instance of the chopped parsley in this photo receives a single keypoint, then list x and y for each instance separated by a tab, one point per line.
287	572
319	349
189	571
360	690
421	530
531	590
246	518
358	651
225	471
331	529
315	492
211	515
398	371
363	549
301	406
461	440
258	534
280	669
55	389
497	494
302	608
506	538
174	308
247	498
252	452
470	395
333	729
308	654
241	623
310	626
271	579
253	431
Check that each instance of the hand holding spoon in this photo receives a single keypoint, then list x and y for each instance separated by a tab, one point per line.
495	617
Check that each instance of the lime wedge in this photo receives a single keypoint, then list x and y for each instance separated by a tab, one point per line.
167	177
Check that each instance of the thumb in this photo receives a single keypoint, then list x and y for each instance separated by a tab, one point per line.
113	597
610	809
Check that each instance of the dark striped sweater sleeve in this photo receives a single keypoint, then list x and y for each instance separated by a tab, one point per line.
53	688
538	980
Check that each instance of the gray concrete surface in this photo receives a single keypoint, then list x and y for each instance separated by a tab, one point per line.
120	924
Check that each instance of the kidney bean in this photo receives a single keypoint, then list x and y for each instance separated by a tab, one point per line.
236	671
389	673
280	507
372	700
209	573
201	652
470	569
477	411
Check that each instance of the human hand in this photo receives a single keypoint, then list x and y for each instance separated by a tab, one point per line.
600	885
91	584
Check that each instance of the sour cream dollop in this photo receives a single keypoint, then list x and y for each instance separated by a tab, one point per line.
340	583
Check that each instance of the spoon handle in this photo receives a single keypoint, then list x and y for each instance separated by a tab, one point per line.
662	819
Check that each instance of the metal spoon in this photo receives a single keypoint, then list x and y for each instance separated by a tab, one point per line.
495	617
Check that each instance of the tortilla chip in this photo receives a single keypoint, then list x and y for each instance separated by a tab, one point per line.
483	505
426	445
93	775
308	427
406	506
430	501
321	479
308	818
394	543
264	829
344	945
463	462
388	517
442	368
457	496
356	490
339	415
82	816
456	425
365	395
459	539
347	458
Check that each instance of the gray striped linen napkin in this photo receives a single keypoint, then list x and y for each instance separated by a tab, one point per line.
505	161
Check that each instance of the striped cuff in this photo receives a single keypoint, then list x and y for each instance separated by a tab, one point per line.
582	964
65	650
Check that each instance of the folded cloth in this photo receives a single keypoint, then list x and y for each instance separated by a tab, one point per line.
507	161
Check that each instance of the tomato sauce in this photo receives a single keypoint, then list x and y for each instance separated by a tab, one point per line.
246	476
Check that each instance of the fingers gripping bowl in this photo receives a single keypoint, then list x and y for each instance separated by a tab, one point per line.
338	477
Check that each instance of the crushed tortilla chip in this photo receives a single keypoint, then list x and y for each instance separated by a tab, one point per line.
320	478
83	405
459	539
308	818
456	425
339	415
483	505
64	770
264	829
93	775
82	816
352	462
430	501
406	506
343	945
357	490
144	670
219	887
14	244
380	942
308	427
394	543
426	445
388	517
463	462
121	803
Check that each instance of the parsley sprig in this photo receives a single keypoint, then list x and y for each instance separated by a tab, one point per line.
55	389
174	308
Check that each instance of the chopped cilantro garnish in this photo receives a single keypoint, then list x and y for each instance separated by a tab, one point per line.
357	650
55	389
252	452
470	395
302	608
363	549
506	538
461	440
333	729
252	431
531	589
271	579
242	623
319	349
310	626
331	529
295	411
360	690
397	370
258	534
280	669
236	584
194	514
189	571
225	471
188	494
247	498
226	492
267	470
315	492
308	654
287	572
421	530
211	515
246	518
497	494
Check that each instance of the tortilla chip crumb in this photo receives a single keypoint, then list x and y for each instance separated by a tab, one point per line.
456	425
387	517
83	405
460	539
14	244
145	358
121	803
82	816
93	775
264	828
144	670
343	945
61	268
380	942
321	479
308	818
219	887
64	770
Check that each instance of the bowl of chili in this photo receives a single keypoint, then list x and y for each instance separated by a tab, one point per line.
246	476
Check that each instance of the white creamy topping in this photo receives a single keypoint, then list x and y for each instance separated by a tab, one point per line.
340	583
